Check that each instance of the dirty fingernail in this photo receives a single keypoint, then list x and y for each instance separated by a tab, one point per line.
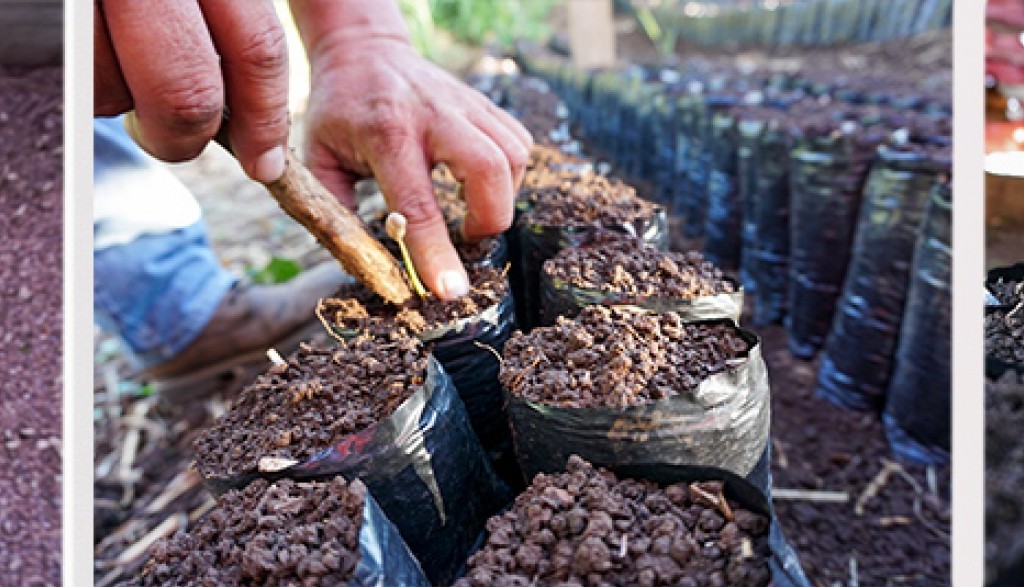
454	284
269	166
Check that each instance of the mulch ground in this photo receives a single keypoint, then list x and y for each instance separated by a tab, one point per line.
31	302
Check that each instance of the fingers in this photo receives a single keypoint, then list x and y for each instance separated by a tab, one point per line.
516	151
511	123
396	156
325	166
254	59
483	167
168	60
110	94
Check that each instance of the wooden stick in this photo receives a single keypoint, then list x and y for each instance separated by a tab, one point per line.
341	232
306	200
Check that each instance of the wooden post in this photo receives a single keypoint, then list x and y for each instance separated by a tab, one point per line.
32	32
591	33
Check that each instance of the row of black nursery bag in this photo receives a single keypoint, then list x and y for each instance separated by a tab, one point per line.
812	187
586	240
405	409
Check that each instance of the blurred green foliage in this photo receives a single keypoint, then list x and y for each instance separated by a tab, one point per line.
278	270
477	21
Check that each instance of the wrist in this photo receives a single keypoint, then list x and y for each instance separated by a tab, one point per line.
332	28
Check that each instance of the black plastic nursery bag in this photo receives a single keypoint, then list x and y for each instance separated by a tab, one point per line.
559	298
425	467
917	412
539	242
723	423
858	357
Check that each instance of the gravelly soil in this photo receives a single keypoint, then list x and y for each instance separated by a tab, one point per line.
621	264
616	357
31	305
355	308
285	533
586	526
321	394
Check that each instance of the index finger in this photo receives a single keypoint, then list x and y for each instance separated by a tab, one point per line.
254	58
477	161
171	67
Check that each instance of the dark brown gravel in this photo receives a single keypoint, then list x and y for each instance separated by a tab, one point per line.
620	264
321	396
591	199
1004	328
355	308
616	357
587	527
286	533
31	333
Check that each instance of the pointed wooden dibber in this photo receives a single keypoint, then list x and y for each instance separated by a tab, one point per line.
340	231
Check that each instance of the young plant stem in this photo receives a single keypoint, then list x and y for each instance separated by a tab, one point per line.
395	225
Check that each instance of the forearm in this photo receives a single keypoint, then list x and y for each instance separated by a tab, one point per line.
326	25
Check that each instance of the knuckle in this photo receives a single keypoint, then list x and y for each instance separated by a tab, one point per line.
271	125
489	163
494	223
420	211
194	104
265	49
386	133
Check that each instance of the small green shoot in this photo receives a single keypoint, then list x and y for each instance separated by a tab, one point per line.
395	224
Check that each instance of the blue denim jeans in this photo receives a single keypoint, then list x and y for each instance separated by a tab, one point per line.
157	282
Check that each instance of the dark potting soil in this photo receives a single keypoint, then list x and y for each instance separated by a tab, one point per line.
285	533
621	264
587	527
321	395
616	357
1004	328
1004	474
355	308
31	302
591	199
901	537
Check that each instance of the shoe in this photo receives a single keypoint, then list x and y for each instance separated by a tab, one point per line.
250	320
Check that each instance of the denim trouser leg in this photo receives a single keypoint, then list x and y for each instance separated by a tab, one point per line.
159	291
157	283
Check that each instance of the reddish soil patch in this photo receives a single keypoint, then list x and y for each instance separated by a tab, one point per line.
590	199
31	305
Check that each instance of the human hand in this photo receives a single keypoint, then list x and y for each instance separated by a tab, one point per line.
378	108
174	66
